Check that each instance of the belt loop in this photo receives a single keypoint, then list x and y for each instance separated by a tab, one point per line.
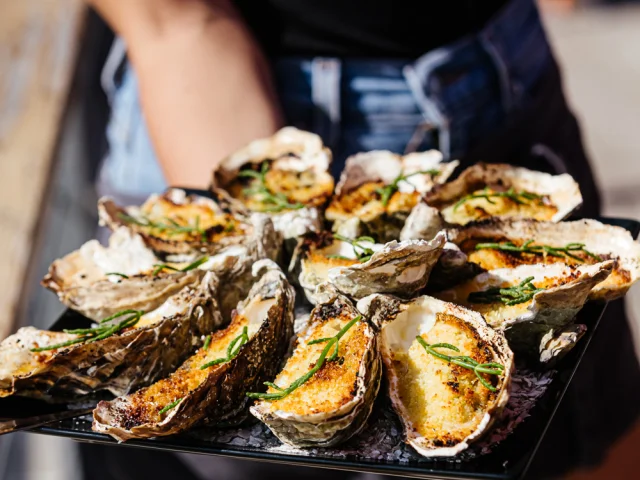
115	59
429	110
325	94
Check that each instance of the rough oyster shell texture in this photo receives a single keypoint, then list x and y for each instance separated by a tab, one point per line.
81	280
560	194
606	241
356	208
184	224
334	404
298	165
566	290
120	363
401	268
217	393
443	407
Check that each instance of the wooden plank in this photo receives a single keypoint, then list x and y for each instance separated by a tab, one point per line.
39	41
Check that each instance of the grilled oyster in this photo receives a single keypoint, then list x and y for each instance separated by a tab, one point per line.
247	353
360	267
334	403
529	301
443	406
499	190
494	244
99	282
133	355
286	176
378	190
177	223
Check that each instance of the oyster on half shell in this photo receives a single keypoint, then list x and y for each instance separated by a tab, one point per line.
360	206
499	190
549	301
588	242
443	407
334	404
216	393
130	358
175	223
401	268
286	175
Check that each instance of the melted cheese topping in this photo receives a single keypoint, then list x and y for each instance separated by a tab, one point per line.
496	313
334	385
480	208
307	187
491	259
364	202
444	403
144	405
216	224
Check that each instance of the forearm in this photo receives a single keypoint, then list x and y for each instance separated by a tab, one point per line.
204	85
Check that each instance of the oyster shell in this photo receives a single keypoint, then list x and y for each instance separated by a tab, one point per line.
293	167
442	406
119	363
603	242
216	393
357	207
564	292
100	281
401	268
536	195
334	404
177	223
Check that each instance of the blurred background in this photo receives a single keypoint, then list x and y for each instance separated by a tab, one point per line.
51	52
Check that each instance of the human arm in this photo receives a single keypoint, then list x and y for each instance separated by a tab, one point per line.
205	87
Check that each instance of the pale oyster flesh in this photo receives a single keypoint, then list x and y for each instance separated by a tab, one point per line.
577	243
442	406
216	393
563	292
119	363
286	176
360	207
499	190
334	404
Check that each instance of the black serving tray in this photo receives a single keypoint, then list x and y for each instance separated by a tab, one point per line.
508	460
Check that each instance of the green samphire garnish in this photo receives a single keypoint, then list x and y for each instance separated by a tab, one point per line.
272	202
543	250
464	361
102	331
169	226
521	198
523	292
387	191
232	350
331	343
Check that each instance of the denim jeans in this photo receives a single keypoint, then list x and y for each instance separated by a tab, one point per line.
493	96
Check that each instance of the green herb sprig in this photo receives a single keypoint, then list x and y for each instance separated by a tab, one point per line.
117	274
104	330
523	292
363	254
272	202
543	250
521	198
170	406
232	349
464	361
387	191
331	343
207	342
169	226
163	266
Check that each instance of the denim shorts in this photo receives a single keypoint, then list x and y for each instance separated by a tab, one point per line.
450	98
